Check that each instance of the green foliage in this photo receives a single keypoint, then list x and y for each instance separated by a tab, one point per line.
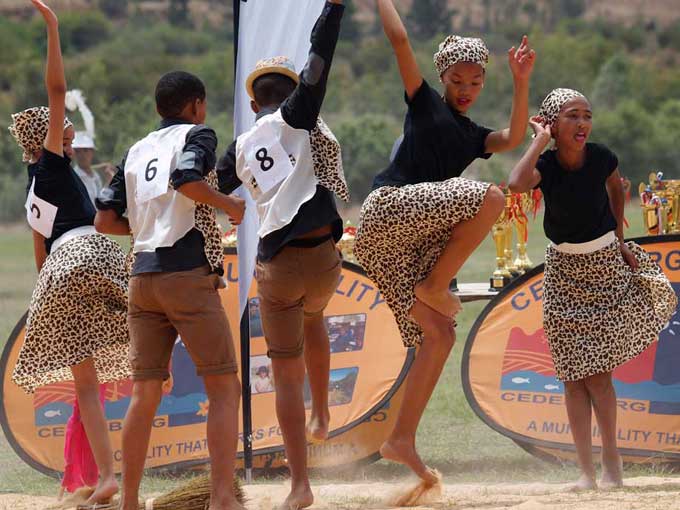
178	13
635	90
670	36
114	8
428	18
351	29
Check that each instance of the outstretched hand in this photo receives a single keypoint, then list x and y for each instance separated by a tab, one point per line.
46	12
522	60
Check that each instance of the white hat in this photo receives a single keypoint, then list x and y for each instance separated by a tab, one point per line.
83	141
274	65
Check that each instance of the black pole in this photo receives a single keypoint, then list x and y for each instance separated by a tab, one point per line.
245	325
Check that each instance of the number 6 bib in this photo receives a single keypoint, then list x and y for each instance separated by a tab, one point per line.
267	159
151	166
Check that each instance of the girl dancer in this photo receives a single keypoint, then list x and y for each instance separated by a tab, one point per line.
604	300
76	327
422	221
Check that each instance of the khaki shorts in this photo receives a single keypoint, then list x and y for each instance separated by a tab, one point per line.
185	303
296	283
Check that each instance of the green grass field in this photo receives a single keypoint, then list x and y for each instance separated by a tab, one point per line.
451	437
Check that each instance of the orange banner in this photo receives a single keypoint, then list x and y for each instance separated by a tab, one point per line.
509	379
368	364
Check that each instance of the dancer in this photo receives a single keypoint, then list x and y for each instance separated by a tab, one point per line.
298	266
422	221
76	327
604	300
166	183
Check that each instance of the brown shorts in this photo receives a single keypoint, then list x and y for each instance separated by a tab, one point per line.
185	303
296	283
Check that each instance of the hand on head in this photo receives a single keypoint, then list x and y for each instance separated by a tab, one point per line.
522	60
542	130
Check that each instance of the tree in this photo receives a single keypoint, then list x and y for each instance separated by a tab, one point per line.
351	29
428	18
114	8
178	13
613	82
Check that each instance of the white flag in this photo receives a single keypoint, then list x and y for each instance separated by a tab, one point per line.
40	214
267	28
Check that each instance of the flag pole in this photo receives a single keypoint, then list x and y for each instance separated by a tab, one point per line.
244	325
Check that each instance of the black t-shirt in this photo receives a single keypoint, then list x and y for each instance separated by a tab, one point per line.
577	206
57	183
439	143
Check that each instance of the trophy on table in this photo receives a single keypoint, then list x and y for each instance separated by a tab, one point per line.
524	203
502	275
660	203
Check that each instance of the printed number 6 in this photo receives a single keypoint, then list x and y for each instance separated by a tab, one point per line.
35	210
151	171
266	162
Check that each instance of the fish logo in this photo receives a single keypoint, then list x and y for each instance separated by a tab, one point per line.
551	387
521	380
52	414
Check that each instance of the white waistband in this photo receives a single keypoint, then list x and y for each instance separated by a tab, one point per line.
589	247
72	234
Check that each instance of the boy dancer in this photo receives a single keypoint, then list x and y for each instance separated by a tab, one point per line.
291	178
161	184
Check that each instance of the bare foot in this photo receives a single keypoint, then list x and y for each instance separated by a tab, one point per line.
298	498
405	453
317	428
104	491
585	483
431	322
443	300
612	474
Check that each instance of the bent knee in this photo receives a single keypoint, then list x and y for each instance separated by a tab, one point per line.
494	199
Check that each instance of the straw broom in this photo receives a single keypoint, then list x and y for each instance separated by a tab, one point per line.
194	495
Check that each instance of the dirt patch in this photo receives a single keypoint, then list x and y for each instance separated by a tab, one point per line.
644	493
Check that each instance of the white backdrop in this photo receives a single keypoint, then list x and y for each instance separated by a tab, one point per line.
267	28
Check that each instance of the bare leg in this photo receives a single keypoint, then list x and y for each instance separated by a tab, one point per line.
289	374
579	411
423	376
318	362
94	421
603	397
465	237
146	395
224	392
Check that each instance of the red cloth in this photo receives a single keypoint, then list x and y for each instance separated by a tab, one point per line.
80	469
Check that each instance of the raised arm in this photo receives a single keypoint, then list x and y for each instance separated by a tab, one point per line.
55	81
524	175
398	37
521	62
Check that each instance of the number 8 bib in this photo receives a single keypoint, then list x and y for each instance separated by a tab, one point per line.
267	159
151	166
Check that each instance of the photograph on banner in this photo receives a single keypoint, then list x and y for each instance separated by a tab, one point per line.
254	318
340	387
261	375
346	332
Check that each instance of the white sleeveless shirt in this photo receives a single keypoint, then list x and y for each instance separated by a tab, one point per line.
159	216
274	161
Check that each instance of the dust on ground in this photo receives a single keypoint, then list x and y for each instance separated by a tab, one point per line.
643	493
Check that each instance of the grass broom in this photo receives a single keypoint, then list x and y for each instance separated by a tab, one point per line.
194	495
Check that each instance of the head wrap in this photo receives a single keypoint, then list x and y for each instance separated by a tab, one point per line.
460	49
553	103
29	129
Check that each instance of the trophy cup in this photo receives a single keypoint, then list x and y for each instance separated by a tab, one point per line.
522	262
501	276
511	207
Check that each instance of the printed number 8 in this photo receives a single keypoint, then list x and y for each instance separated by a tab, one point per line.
151	171
266	163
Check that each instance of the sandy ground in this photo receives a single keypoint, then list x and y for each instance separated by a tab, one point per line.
644	493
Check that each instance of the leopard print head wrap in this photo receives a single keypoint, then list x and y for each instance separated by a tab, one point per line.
29	129
460	49
553	103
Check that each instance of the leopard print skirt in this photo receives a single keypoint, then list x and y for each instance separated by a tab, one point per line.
599	313
78	310
402	232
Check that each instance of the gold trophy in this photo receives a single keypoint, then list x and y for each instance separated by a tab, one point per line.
522	262
511	206
660	203
501	276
